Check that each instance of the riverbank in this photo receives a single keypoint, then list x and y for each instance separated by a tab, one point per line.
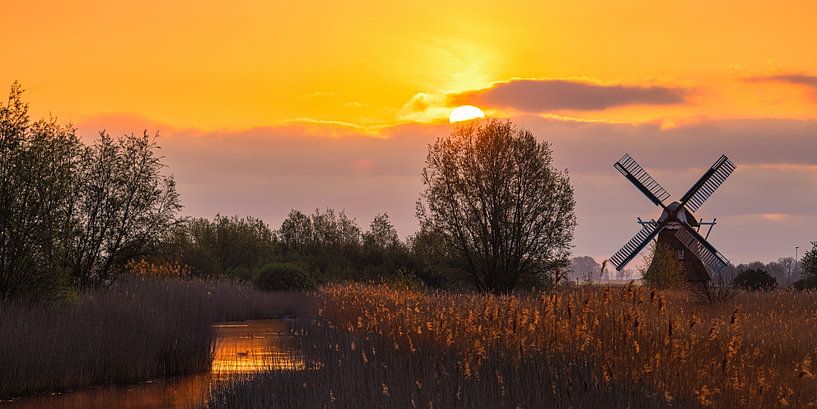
137	330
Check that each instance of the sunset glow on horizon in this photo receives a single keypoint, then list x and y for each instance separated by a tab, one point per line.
262	107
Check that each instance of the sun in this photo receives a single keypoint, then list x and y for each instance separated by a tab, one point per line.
465	113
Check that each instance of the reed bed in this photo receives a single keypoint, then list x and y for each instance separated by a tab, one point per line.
613	347
140	329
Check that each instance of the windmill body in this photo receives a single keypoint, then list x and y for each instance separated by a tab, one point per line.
677	227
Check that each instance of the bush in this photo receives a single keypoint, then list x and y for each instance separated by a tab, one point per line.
403	280
664	270
808	283
284	276
755	280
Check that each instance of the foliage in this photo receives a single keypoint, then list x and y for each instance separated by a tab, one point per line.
664	269
809	262
755	280
72	213
122	206
38	163
492	192
231	246
403	280
783	270
433	259
283	277
808	283
583	268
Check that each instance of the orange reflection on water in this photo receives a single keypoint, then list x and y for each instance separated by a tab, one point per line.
241	349
246	348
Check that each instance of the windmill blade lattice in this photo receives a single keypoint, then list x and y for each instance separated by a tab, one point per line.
642	180
635	245
709	256
708	183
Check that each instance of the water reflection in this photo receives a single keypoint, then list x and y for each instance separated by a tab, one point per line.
241	349
244	348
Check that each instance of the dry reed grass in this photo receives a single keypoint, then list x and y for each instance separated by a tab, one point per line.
140	329
614	347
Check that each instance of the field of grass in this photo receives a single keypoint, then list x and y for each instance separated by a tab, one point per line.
614	347
137	330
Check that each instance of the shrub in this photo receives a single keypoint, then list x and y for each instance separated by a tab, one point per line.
808	283
403	280
755	280
284	276
664	271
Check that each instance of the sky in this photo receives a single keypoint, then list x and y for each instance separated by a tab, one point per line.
262	107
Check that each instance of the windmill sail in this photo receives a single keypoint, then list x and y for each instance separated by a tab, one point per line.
708	183
642	180
636	244
712	259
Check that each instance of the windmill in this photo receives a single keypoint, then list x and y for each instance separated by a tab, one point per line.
677	227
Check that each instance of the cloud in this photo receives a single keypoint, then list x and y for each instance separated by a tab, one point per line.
809	81
425	107
546	95
776	217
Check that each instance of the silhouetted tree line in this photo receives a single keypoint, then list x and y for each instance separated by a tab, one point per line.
306	250
495	215
73	214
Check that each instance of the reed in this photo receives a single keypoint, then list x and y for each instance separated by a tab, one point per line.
139	329
613	347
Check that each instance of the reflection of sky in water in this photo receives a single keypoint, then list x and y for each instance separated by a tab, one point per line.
246	348
241	349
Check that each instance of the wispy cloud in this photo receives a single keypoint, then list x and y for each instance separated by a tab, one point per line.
547	95
805	80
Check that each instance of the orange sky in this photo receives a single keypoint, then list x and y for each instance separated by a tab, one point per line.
355	69
242	63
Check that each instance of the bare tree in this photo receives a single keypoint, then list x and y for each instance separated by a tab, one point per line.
491	190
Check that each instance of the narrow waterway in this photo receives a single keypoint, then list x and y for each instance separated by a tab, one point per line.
241	349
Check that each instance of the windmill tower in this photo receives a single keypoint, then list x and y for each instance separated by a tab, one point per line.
677	228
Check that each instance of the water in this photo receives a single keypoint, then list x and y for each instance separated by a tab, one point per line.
241	349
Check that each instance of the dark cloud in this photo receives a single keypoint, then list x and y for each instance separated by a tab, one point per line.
542	95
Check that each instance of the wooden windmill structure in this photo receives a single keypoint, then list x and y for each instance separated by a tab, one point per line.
677	228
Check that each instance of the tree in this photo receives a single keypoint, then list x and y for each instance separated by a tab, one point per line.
233	246
434	259
491	190
123	205
809	262
584	268
381	235
664	271
755	280
38	163
296	231
788	264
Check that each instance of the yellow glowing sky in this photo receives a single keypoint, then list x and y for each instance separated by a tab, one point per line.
265	106
242	64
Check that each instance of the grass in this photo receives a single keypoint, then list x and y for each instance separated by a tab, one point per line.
615	347
137	330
